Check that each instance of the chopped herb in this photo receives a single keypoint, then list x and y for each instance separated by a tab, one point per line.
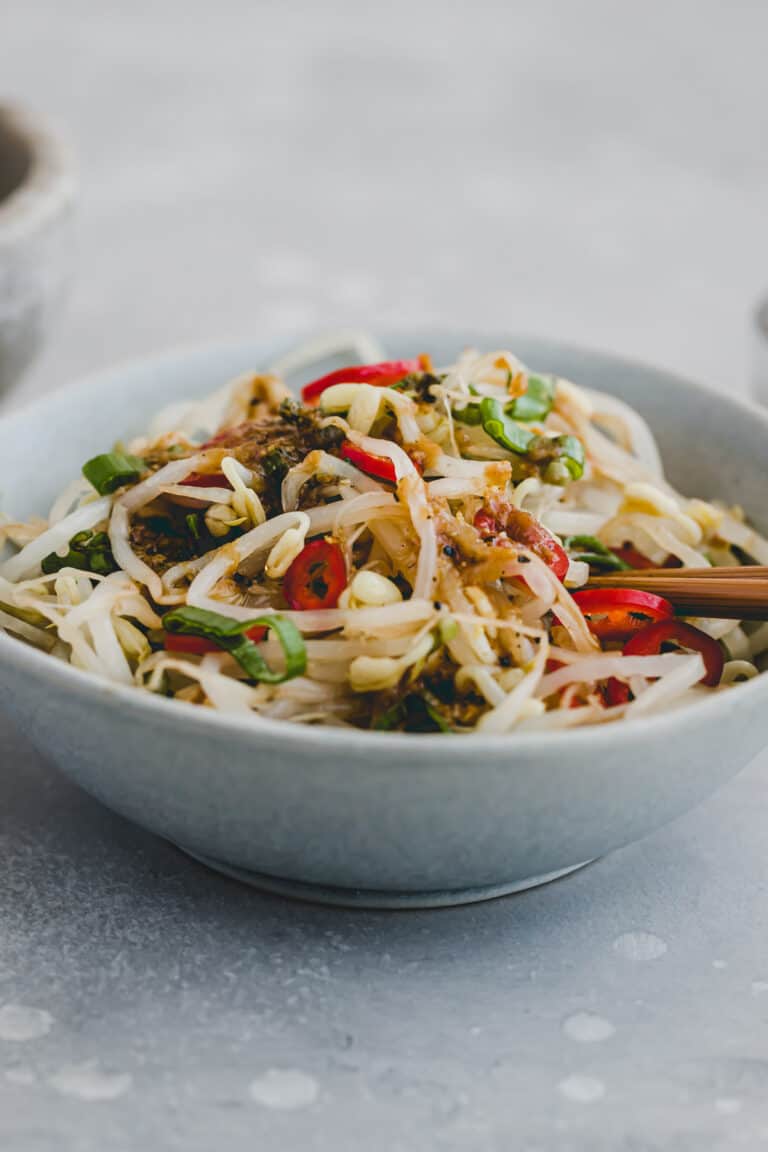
412	714
229	635
275	464
290	410
193	523
419	385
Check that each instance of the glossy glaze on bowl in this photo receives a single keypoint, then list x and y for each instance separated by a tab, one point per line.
382	818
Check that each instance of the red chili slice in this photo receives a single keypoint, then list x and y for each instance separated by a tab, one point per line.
615	692
618	613
651	640
206	480
630	555
387	372
198	646
525	529
379	466
200	480
317	577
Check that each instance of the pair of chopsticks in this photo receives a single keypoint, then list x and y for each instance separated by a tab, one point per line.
728	593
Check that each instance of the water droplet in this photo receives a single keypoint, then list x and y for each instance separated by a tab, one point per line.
587	1028
18	1022
582	1089
759	987
640	946
284	1088
728	1105
88	1081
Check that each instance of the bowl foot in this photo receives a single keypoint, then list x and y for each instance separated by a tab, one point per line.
372	897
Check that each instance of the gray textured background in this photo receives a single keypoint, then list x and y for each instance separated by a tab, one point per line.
594	170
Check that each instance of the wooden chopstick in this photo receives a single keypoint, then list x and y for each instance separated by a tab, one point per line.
725	593
740	572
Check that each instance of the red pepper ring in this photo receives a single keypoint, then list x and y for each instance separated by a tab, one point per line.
618	613
651	640
379	466
382	374
317	577
199	646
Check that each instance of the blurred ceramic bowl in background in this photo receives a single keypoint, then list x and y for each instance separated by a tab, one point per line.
36	198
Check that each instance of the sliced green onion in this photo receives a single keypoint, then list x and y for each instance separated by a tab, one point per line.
54	563
594	553
112	470
469	414
229	635
102	563
571	452
535	403
502	428
88	551
557	472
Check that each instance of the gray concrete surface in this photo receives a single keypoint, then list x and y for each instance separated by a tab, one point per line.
595	170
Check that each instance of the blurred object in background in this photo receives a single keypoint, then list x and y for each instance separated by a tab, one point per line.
254	169
36	196
760	351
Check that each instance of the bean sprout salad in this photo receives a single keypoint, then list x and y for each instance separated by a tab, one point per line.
404	548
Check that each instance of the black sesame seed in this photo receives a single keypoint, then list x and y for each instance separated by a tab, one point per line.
505	661
449	550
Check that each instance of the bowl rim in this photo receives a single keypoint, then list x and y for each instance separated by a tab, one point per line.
74	681
48	189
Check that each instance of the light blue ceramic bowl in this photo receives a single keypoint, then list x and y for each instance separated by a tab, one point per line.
380	819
